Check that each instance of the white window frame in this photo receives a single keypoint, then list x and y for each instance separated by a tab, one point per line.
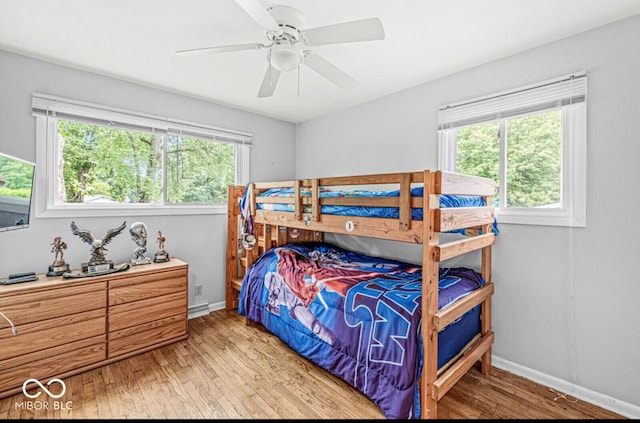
48	109
574	153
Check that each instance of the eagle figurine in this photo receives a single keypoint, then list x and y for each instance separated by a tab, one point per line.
97	245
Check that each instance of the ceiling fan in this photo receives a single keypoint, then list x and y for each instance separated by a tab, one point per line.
289	43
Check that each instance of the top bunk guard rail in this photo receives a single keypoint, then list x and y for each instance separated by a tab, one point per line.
307	208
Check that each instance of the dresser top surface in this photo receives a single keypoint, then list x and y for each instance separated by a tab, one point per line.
52	282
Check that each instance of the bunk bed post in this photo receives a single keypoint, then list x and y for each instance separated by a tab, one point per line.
281	236
233	210
297	184
315	201
405	201
430	276
485	311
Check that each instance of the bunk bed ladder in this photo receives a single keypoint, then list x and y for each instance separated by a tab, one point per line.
435	384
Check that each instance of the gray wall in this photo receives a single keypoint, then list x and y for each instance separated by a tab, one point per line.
200	240
566	301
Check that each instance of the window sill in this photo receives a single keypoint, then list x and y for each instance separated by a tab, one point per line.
535	217
131	210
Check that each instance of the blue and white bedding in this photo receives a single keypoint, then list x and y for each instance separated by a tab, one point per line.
384	212
356	316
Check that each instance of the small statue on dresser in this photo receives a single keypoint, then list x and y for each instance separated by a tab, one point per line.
59	266
138	232
98	261
161	256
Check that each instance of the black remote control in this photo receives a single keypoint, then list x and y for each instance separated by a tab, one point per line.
21	275
27	278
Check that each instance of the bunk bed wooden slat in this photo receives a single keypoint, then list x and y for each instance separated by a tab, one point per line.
269	185
458	183
363	226
463	246
450	219
387	178
277	200
449	378
448	315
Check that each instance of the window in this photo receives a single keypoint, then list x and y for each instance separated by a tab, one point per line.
532	142
98	160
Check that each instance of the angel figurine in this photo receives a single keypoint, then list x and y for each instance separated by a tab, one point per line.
97	262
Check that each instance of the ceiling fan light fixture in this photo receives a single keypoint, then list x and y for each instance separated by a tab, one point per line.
290	43
285	58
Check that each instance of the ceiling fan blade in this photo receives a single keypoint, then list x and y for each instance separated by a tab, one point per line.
329	71
220	49
258	13
271	77
363	30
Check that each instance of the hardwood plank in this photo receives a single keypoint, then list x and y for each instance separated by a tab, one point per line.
228	370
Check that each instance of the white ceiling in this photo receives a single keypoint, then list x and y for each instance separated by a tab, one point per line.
136	40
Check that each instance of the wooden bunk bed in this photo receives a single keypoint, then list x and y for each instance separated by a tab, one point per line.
307	223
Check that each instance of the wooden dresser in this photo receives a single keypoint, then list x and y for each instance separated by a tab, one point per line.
67	326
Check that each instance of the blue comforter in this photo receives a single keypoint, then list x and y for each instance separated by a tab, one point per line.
356	316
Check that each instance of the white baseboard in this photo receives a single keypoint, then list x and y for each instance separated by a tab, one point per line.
562	386
217	306
204	309
198	310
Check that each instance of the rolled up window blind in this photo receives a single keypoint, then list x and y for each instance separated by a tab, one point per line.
566	90
64	108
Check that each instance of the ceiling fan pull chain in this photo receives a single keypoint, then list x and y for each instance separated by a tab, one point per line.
270	79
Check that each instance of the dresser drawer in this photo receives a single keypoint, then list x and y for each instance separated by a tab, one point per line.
147	286
145	335
48	304
50	333
45	364
139	312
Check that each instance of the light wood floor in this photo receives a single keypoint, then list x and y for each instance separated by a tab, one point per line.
227	369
